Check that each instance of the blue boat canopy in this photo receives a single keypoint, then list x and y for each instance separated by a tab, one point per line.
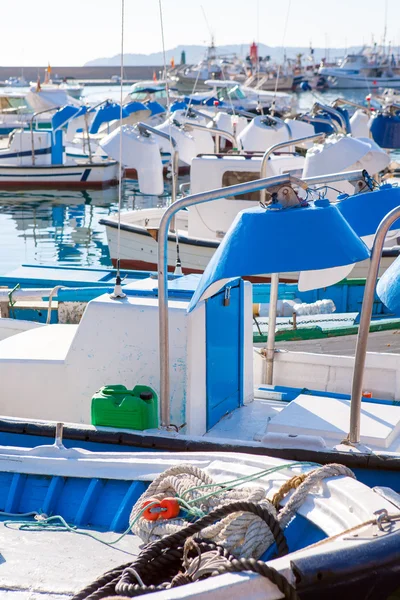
155	107
65	114
135	106
365	211
388	288
281	240
106	113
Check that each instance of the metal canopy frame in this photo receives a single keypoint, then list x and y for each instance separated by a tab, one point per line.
217	194
365	319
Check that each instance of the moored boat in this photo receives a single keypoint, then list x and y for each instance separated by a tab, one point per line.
70	514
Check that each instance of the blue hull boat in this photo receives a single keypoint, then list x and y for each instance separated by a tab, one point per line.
77	520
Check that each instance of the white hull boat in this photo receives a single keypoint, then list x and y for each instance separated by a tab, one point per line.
138	249
75	175
37	159
362	82
201	228
367	70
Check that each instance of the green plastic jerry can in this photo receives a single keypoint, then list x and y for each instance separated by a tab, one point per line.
116	406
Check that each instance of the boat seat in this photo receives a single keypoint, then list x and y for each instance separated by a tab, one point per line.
50	343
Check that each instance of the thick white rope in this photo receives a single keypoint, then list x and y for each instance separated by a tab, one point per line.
244	534
312	481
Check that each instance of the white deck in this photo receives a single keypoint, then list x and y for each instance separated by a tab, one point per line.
309	422
31	568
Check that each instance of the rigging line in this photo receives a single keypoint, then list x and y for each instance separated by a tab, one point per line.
172	150
283	46
166	83
120	140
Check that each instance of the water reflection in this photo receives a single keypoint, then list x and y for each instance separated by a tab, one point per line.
61	227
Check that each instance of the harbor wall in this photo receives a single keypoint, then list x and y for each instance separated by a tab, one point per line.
81	73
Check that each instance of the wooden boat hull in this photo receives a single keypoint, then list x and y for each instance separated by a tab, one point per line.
79	176
94	493
138	251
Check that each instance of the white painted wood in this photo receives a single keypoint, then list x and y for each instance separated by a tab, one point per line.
329	418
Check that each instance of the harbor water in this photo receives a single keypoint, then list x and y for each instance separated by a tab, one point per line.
62	227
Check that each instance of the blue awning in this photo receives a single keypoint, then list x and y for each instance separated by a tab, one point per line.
365	211
65	114
388	288
106	113
278	240
155	107
133	107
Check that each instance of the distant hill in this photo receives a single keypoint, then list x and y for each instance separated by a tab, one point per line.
195	53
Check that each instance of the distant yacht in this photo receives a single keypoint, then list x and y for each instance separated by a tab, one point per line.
16	82
369	68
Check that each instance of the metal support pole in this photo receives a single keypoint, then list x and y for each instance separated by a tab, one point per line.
234	190
325	121
343	102
39	112
273	301
332	111
365	320
213	130
278	146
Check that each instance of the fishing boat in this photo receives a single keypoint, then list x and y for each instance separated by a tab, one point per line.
16	112
237	407
85	132
195	77
366	69
227	94
77	519
201	228
36	158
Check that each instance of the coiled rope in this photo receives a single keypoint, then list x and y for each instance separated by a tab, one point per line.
160	558
243	534
160	564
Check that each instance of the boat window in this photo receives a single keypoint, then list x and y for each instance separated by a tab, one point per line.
139	96
236	92
160	94
235	177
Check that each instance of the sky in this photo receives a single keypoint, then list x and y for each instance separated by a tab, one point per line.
69	33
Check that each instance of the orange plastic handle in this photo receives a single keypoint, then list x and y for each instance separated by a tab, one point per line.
148	514
172	508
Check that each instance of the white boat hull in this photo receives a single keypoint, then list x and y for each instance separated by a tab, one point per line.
359	82
138	249
85	175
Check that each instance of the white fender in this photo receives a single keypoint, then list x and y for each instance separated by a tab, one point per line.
259	135
140	153
359	124
186	144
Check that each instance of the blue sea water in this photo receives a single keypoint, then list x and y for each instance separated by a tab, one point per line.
50	227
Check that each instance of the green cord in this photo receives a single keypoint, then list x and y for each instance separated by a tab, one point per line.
45	522
246	478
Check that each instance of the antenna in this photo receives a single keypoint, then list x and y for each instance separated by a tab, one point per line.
210	31
385	27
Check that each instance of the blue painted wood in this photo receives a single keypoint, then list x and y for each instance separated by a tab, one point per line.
53	494
33	493
299	533
104	504
346	297
121	516
89	501
14	493
222	354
